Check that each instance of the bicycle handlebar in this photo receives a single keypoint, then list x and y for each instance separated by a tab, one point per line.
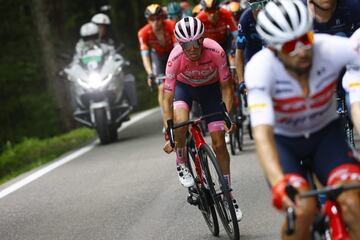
171	126
331	193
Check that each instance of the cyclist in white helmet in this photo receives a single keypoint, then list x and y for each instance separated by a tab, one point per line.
104	23
197	71
293	111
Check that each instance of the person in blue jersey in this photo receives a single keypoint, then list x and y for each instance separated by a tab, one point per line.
336	17
248	40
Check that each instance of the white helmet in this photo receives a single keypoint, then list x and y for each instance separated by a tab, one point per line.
89	29
188	29
283	20
101	18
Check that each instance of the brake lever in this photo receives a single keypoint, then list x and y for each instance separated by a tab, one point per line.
170	132
227	118
290	212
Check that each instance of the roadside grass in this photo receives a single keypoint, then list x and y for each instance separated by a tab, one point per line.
34	152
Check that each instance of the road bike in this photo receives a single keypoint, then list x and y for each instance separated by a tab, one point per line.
345	116
238	116
328	224
210	187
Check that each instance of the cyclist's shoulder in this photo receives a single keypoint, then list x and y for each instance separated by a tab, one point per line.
355	37
169	24
247	17
350	6
265	60
144	30
202	16
224	13
176	53
326	42
212	46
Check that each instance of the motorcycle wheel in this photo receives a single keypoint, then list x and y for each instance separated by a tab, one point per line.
101	126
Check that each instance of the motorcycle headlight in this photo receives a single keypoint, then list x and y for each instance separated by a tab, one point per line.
95	80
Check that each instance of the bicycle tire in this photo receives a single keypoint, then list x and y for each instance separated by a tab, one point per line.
233	144
349	131
240	120
205	206
219	192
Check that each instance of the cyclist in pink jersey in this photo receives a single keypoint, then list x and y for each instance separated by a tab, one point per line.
197	70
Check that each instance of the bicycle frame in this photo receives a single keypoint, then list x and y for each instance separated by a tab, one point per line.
331	209
336	223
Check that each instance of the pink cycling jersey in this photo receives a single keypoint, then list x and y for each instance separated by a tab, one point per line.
210	68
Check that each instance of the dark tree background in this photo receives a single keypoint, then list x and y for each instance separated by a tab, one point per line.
33	99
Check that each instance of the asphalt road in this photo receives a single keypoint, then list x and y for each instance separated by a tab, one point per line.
129	190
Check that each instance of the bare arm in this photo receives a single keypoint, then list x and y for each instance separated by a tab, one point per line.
147	63
167	107
267	153
227	94
355	113
239	63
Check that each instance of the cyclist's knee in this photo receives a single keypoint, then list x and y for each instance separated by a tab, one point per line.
219	145
349	202
306	211
305	215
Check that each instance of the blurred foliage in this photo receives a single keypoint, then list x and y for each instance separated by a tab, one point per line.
27	108
34	152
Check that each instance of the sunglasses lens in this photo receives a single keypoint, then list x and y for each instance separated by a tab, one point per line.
257	5
154	18
306	40
194	44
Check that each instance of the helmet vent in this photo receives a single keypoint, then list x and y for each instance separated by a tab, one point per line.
272	20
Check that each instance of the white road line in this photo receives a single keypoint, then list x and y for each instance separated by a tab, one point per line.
12	188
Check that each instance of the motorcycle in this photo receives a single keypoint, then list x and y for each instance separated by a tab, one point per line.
102	94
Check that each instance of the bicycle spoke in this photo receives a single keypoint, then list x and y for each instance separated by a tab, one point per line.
220	192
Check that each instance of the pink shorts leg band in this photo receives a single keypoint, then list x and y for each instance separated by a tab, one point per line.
216	126
181	105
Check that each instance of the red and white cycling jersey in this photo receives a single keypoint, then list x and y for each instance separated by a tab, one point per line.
210	68
353	72
276	98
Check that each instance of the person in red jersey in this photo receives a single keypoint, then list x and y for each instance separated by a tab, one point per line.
156	40
218	23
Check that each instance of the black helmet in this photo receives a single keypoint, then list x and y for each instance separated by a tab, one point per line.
210	4
153	9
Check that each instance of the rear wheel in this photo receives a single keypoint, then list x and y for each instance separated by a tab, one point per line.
200	193
219	192
239	121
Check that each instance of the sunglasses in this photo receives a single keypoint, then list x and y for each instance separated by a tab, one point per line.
293	47
192	44
154	18
257	5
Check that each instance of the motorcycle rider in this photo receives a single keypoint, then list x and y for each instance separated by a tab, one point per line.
89	36
156	40
104	23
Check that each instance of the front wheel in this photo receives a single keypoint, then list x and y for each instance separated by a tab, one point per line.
102	128
219	191
201	193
